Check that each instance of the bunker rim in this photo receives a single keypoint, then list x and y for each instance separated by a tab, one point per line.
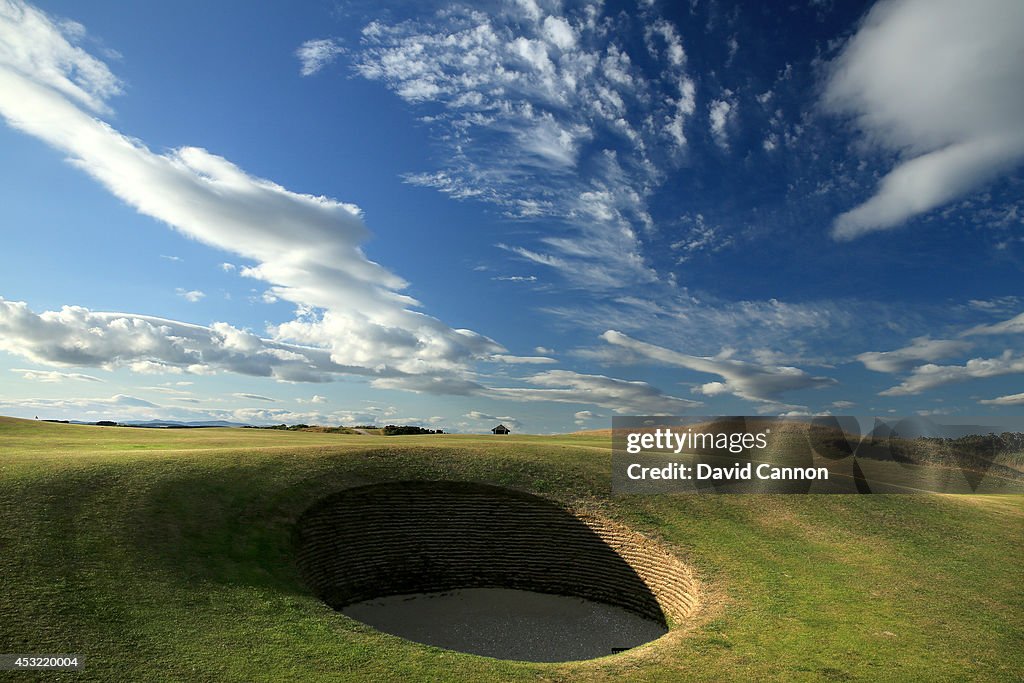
413	537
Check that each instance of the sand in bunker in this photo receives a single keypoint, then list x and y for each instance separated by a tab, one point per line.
508	624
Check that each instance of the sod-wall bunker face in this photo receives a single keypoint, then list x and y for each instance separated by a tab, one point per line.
429	537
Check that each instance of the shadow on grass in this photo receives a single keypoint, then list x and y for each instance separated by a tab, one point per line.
232	522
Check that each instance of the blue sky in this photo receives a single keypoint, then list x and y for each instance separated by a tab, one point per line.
541	213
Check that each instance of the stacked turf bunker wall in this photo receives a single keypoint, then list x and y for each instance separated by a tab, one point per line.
423	537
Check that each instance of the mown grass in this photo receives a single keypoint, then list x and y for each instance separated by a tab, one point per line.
166	555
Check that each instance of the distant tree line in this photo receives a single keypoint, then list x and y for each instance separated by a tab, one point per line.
395	430
282	426
389	430
302	427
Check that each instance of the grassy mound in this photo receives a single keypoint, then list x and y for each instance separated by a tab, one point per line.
168	555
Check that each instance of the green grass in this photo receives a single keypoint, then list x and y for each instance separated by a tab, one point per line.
166	555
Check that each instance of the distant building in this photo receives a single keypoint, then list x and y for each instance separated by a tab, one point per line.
501	429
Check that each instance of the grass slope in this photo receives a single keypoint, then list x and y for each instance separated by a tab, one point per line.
165	555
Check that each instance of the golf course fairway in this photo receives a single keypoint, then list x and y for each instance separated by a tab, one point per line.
169	554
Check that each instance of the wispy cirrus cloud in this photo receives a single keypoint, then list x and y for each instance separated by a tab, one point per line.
314	55
752	327
124	407
515	278
930	376
352	317
700	237
937	82
721	113
750	381
618	395
522	360
547	114
1009	400
51	376
481	418
100	407
254	397
554	386
920	349
1014	325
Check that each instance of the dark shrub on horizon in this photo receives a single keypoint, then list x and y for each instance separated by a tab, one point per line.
395	430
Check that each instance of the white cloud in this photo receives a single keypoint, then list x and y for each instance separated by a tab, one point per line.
720	115
551	95
674	51
317	398
170	258
75	336
452	386
1014	325
192	295
254	397
920	349
522	360
700	237
764	383
53	375
707	324
228	267
999	304
734	46
931	376
515	278
165	389
618	395
506	420
1010	400
559	33
939	83
558	386
115	407
306	247
31	45
352	318
152	367
316	54
124	408
582	417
